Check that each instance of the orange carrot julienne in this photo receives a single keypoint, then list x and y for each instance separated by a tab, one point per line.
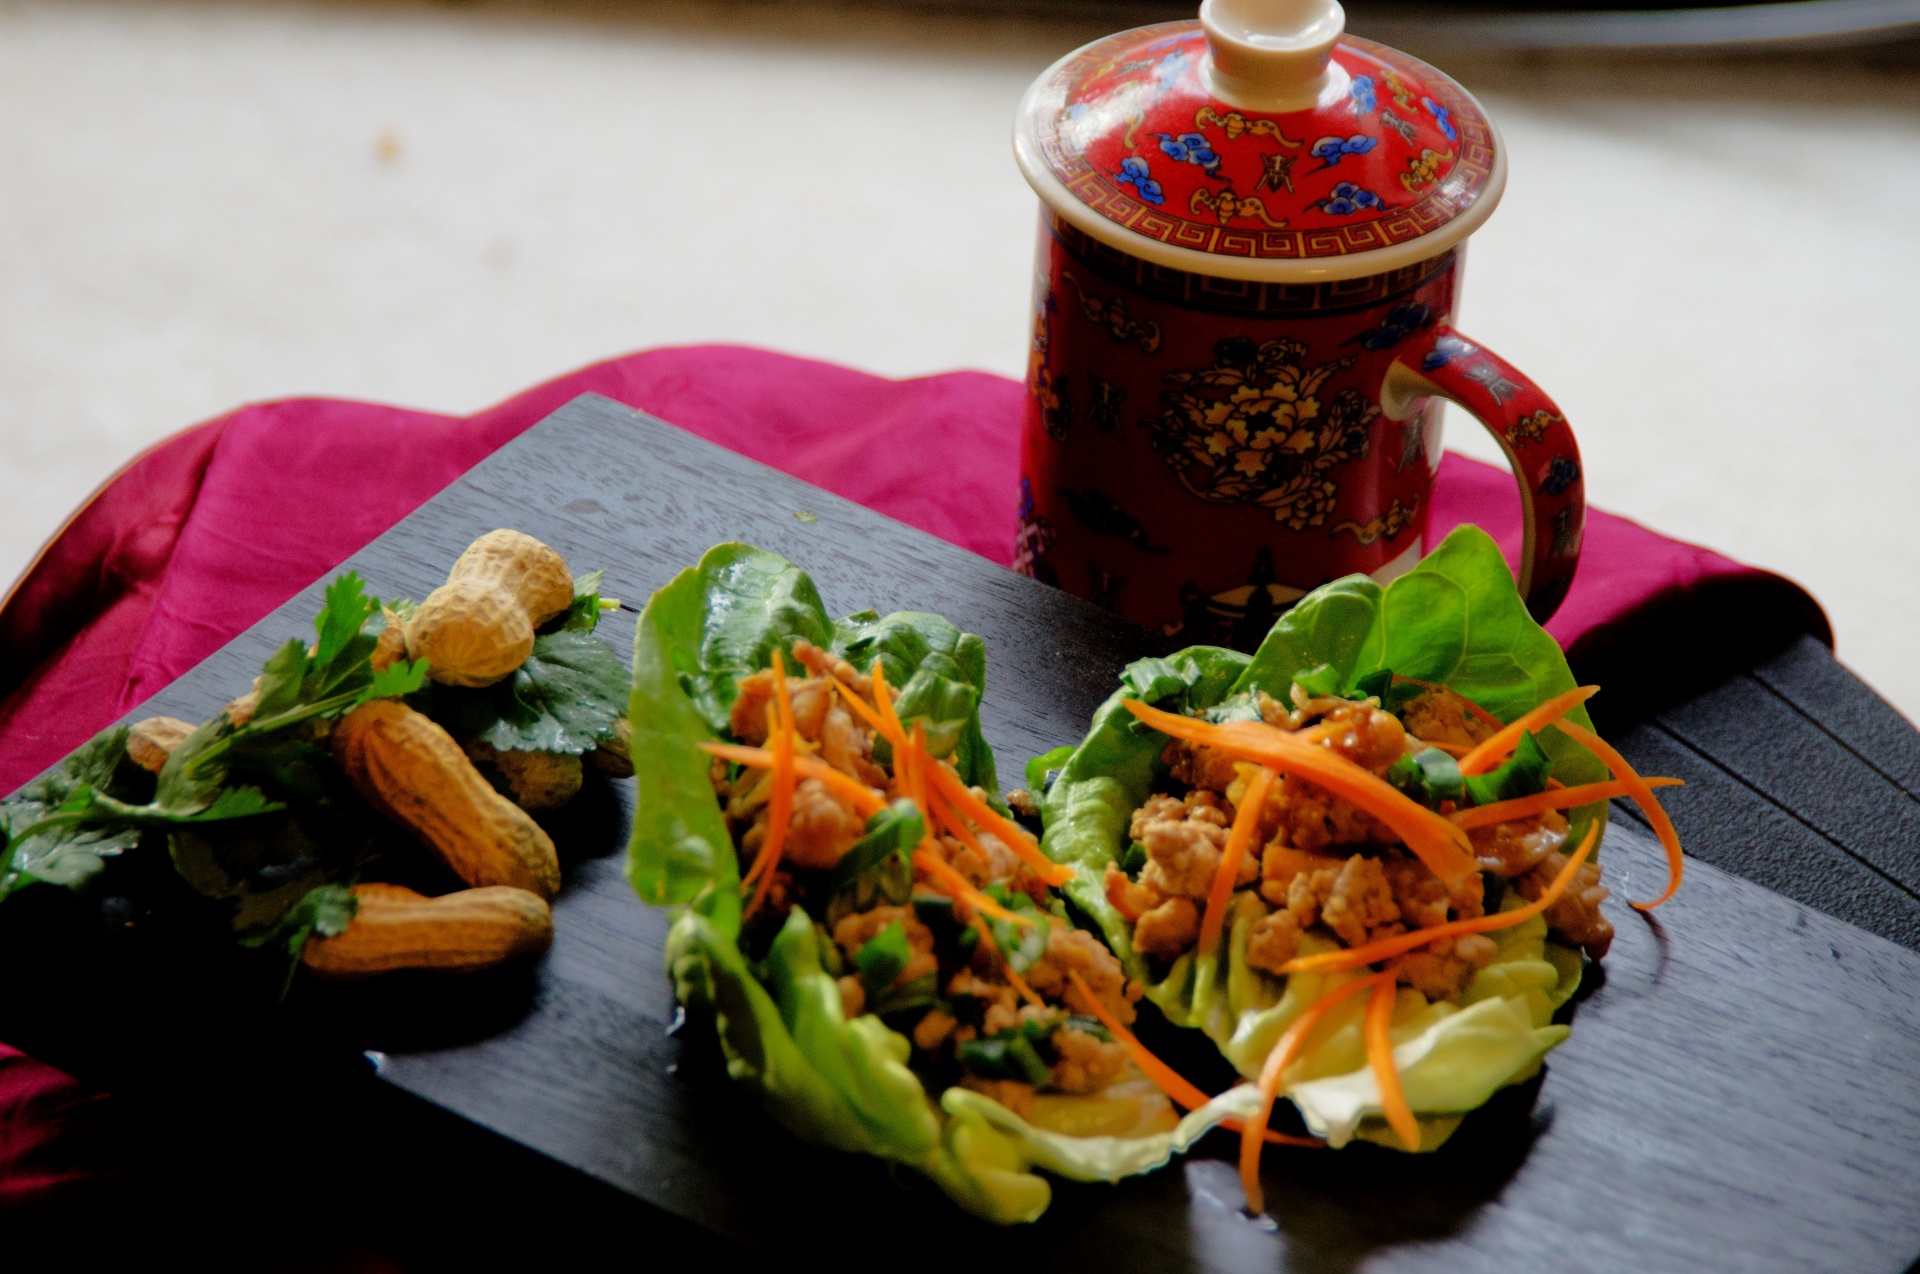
946	819
1451	749
1559	798
1642	793
780	804
1386	1074
1443	847
864	799
883	700
1491	752
961	888
1246	822
961	798
1279	1057
1181	1091
1387	948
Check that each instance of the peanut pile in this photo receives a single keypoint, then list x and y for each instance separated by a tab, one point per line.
474	631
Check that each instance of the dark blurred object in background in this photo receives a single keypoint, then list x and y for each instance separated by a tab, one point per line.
1681	26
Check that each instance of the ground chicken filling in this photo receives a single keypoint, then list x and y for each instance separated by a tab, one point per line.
1327	867
910	952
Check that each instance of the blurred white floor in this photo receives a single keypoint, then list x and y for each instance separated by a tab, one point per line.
1711	267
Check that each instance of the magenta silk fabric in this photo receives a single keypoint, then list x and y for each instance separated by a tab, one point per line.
209	531
206	533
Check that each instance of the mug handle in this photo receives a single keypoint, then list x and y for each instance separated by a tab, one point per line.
1539	446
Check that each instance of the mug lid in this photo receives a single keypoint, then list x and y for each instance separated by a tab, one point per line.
1261	143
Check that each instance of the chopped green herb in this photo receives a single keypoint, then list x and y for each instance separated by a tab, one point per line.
882	958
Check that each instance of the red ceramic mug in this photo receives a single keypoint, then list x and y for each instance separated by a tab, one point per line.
1248	265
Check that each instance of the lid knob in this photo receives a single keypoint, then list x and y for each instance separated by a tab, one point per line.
1270	55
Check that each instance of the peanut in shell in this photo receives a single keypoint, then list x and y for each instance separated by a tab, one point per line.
396	928
412	771
471	633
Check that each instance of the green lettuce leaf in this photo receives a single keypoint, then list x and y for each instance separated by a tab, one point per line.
837	1083
845	1084
719	621
1455	619
938	675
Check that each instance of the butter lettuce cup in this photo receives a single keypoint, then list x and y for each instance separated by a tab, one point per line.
1364	859
881	950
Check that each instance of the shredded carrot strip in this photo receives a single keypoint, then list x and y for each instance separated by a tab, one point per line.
1281	1056
1451	749
1642	793
1443	847
961	832
780	804
1246	822
1387	948
1560	798
1491	752
1386	1075
961	798
864	799
909	772
925	860
883	699
1181	1091
1027	993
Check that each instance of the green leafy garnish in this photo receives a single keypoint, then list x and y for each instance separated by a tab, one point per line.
564	698
882	957
1429	776
300	684
1524	773
584	615
326	910
893	831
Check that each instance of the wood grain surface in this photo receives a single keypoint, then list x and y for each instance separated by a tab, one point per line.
1741	1089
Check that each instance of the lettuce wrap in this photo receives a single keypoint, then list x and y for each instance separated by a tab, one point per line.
779	984
1455	621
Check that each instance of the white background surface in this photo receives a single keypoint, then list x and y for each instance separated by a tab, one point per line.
1710	265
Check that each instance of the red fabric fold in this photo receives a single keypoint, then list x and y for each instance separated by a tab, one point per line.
209	531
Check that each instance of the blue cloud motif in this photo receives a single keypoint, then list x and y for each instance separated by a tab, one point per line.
1348	199
1402	321
1561	474
1444	351
1440	115
1171	68
1331	150
1077	110
1133	172
1362	93
1189	148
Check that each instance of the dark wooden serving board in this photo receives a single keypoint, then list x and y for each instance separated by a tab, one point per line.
1741	1090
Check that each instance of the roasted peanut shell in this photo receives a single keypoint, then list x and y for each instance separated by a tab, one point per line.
412	771
395	928
471	633
536	575
151	742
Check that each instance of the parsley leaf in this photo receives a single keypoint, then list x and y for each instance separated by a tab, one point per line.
35	849
564	698
323	909
300	684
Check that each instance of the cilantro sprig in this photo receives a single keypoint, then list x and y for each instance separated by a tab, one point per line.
301	684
